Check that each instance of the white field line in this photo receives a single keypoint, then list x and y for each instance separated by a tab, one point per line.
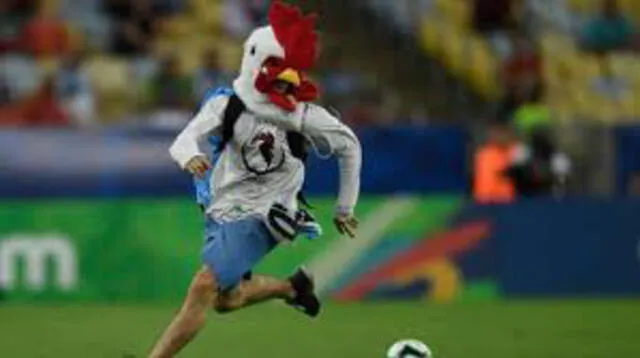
328	265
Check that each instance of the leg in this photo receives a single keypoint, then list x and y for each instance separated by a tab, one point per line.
191	318
232	250
297	291
255	290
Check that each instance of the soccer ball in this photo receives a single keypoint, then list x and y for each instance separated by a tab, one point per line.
409	348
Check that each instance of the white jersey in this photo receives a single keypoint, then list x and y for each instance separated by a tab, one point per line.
256	169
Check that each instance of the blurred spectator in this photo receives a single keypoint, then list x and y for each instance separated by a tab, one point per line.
511	101
494	19
22	74
10	26
492	15
538	167
337	80
339	84
242	16
610	30
75	91
491	162
522	70
170	87
46	34
42	109
533	113
9	114
170	95
25	7
404	14
521	76
365	110
256	11
88	18
211	74
168	7
116	9
134	26
608	83
5	91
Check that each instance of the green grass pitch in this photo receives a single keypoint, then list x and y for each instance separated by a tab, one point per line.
534	329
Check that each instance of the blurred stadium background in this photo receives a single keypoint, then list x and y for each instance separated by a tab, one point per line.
500	187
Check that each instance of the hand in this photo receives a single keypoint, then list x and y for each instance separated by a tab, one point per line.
346	224
198	166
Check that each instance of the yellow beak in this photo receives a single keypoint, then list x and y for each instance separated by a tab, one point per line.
290	76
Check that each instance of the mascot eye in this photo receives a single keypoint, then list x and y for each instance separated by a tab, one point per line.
253	50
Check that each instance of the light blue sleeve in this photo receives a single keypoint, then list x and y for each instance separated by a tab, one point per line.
202	185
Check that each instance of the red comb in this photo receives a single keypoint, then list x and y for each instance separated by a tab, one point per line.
295	33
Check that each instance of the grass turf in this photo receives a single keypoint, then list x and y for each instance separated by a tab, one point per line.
547	329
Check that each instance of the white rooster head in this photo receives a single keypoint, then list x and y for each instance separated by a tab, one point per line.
277	54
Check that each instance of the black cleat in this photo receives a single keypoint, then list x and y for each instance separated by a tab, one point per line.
305	300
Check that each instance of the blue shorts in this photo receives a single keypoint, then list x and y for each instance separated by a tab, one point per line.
232	249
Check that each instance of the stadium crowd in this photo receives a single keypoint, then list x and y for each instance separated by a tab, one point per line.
513	35
70	63
527	162
64	62
537	61
151	62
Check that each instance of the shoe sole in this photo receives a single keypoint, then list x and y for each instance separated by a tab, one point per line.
312	281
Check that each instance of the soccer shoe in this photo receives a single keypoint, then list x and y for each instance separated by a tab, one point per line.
305	299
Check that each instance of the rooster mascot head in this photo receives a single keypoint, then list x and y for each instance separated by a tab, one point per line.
275	61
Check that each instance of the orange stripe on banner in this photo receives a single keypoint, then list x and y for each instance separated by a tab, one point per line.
442	245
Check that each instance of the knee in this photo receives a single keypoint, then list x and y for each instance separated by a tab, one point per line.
223	306
201	294
230	301
203	284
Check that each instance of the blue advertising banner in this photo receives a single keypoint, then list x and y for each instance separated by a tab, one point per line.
118	162
402	160
576	247
627	156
